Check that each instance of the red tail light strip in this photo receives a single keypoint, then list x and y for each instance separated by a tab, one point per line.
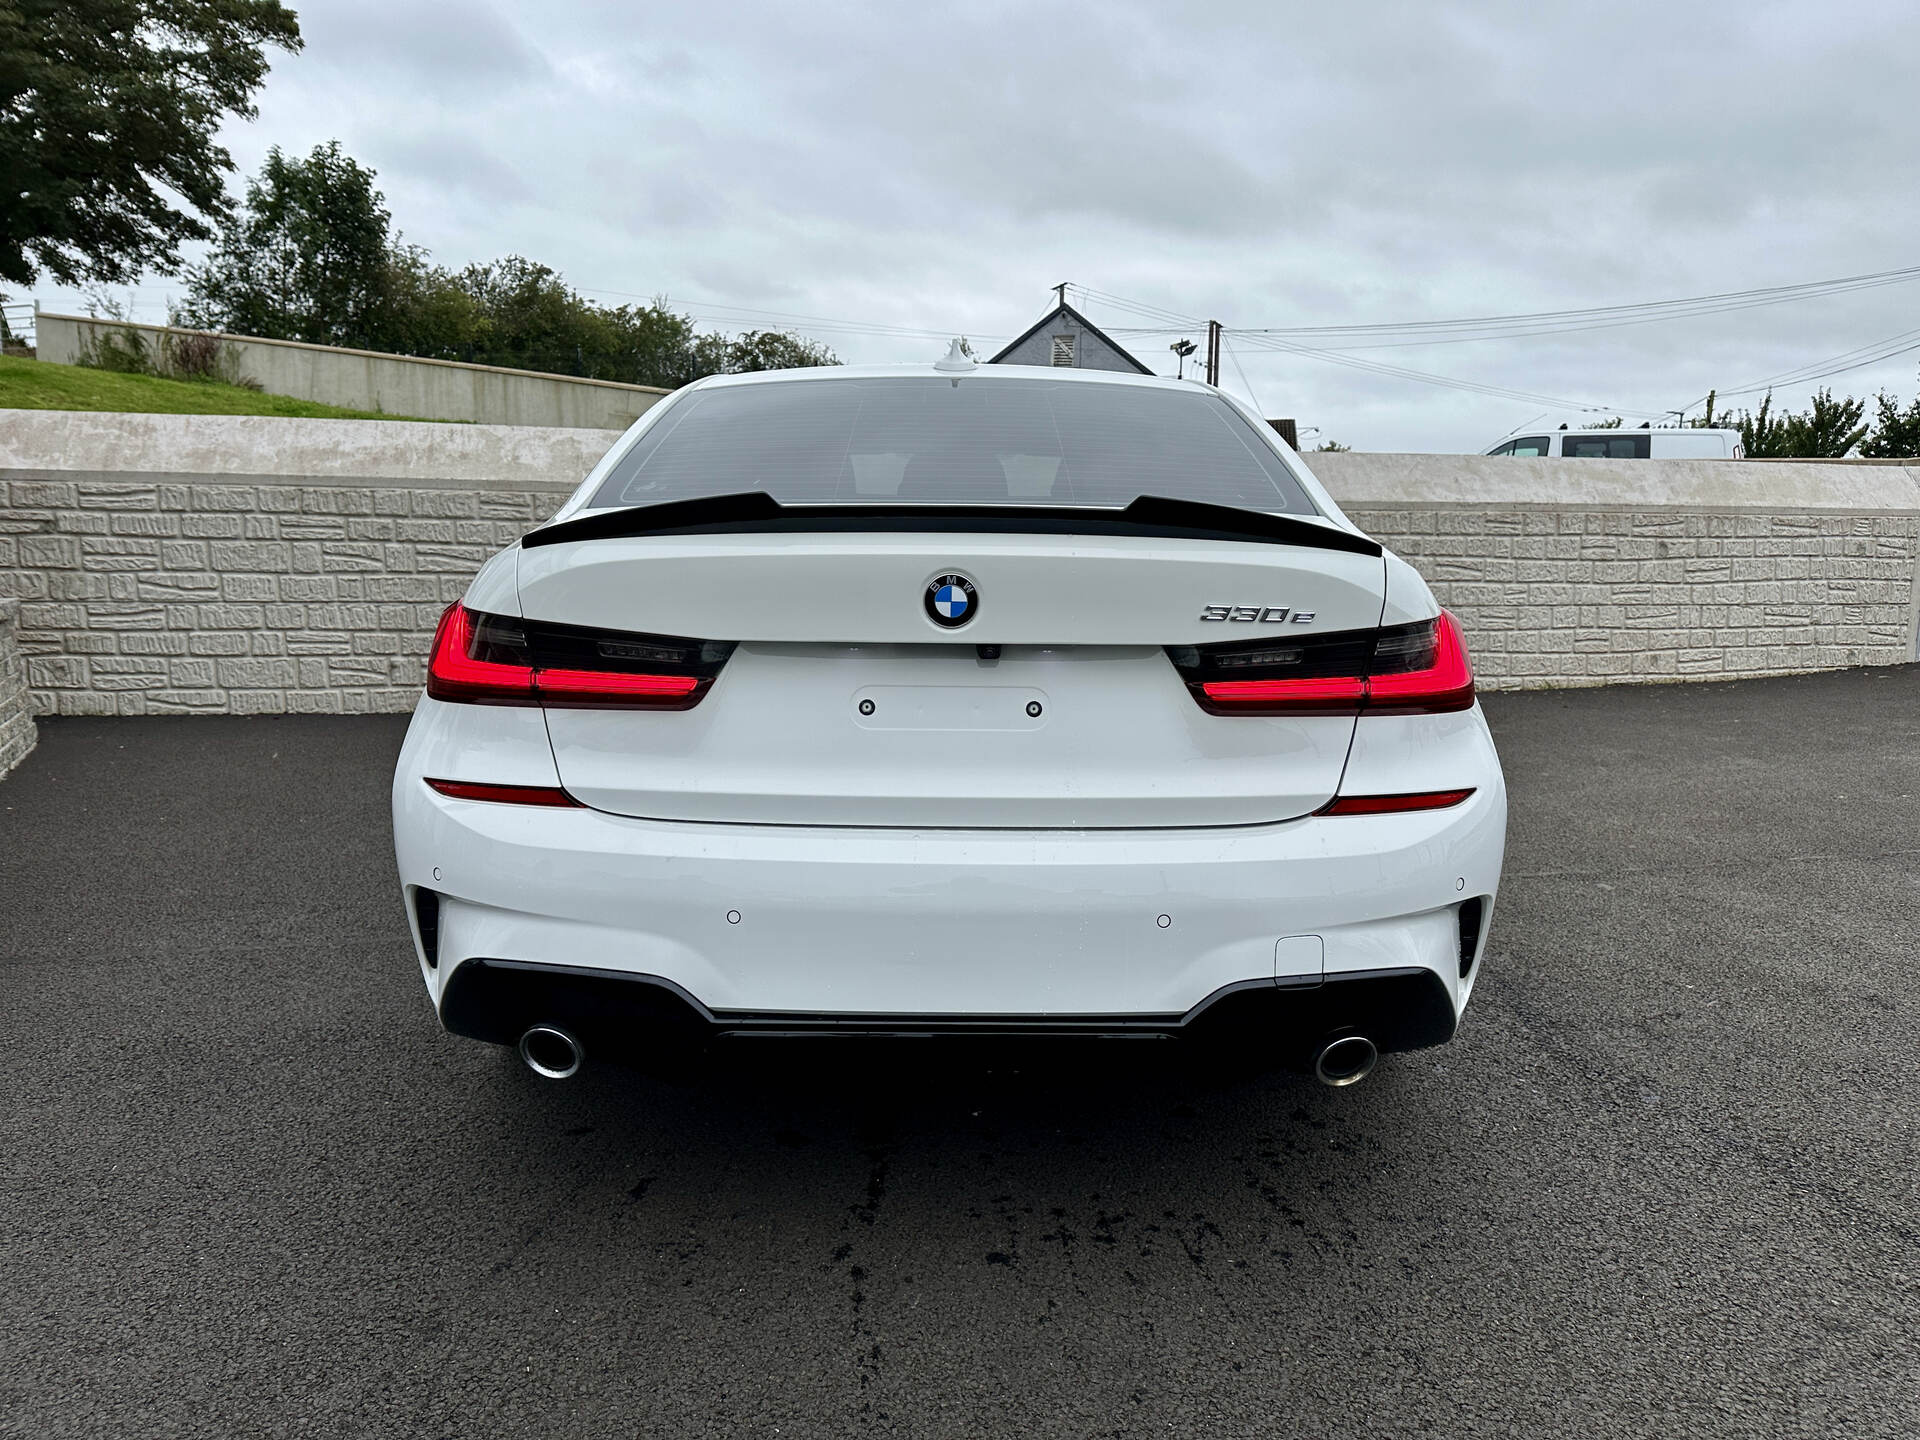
563	685
505	794
1333	695
453	674
1445	685
1393	804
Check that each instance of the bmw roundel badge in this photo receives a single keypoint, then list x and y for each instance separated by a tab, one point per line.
951	600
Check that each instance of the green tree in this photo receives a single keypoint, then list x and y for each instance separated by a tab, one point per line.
1827	431
529	318
775	350
1830	429
1762	433
1711	421
307	256
1897	433
108	110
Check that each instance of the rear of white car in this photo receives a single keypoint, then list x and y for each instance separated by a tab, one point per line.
986	701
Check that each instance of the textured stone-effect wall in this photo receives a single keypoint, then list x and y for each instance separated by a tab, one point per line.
160	598
1592	572
1595	597
170	564
18	734
198	563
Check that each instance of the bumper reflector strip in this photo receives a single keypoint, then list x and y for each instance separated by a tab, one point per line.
504	794
1393	804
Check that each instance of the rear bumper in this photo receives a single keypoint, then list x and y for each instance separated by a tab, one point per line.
1108	931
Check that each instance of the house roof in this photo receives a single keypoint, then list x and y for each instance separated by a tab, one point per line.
1078	319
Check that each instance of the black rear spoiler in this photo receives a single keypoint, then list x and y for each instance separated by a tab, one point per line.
756	512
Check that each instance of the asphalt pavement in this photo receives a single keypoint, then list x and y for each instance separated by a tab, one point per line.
1663	1183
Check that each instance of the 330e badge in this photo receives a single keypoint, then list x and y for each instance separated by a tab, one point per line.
1257	614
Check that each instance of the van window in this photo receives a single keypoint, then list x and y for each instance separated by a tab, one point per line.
1607	447
1526	445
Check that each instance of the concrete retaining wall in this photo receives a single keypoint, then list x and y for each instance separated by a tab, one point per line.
238	564
395	384
18	735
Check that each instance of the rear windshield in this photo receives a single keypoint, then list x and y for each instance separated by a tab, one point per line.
953	441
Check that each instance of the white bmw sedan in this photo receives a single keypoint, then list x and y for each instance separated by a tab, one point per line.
950	700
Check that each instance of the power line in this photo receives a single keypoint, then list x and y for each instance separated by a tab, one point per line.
1422	333
1541	323
1245	384
1551	321
1858	358
1401	372
1267	340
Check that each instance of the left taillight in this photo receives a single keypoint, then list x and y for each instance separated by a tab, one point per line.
482	659
1417	669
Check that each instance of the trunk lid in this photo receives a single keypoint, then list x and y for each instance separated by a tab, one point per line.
846	702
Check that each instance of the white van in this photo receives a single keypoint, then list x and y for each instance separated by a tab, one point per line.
1629	445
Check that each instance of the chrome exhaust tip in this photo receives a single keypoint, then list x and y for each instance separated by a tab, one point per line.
551	1052
1345	1060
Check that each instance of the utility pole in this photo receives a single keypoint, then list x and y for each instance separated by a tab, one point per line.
1061	291
1213	352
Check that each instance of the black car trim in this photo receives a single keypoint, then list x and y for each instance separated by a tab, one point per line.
496	1000
756	512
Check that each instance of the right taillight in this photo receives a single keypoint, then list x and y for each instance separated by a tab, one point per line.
1417	669
481	659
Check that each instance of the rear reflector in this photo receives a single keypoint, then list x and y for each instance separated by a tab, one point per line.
1418	669
483	659
504	794
1393	804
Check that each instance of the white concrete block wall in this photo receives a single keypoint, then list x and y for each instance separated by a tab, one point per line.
181	564
18	734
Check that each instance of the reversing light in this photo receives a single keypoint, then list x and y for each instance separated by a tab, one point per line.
1393	804
504	794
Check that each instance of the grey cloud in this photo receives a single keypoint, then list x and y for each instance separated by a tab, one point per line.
454	49
939	166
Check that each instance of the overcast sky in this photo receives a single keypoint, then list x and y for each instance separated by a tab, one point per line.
938	167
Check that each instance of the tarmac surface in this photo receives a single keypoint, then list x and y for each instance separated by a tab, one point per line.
1663	1183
